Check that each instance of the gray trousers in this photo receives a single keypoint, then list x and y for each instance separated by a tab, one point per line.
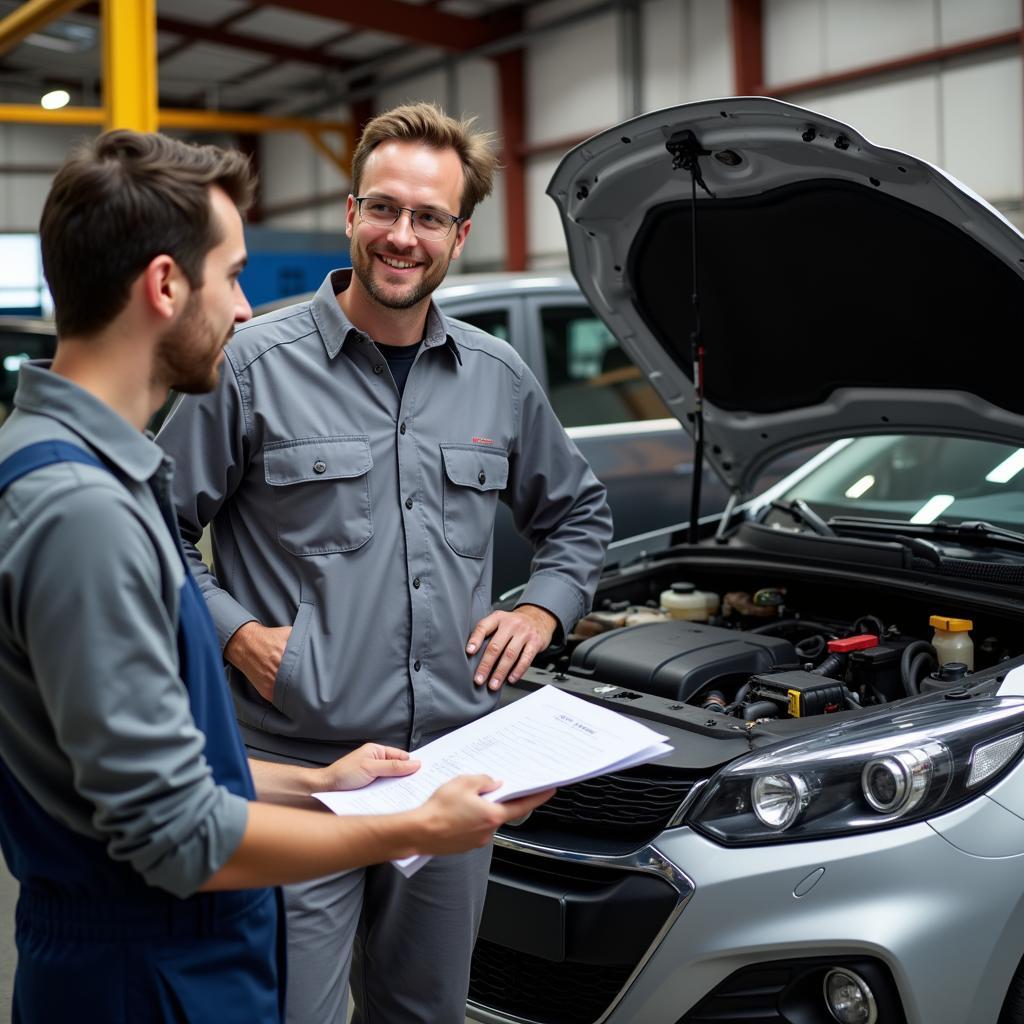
403	944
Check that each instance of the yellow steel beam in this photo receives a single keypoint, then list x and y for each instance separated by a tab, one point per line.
28	113
129	64
31	17
337	158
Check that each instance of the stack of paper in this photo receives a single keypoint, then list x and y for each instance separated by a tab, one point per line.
548	738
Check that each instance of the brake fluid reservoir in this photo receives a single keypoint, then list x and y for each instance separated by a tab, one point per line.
952	640
685	601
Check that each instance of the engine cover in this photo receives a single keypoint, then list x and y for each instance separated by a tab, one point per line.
676	658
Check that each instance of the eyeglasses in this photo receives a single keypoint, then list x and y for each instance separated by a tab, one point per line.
428	224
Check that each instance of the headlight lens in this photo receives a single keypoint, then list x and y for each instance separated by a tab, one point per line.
883	769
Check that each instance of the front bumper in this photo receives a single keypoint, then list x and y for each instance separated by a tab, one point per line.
945	921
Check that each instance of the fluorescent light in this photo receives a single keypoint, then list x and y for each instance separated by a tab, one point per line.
862	486
1007	469
933	508
55	100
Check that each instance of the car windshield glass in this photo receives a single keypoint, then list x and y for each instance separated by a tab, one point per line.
919	479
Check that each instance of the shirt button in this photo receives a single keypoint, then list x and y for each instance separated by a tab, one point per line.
408	502
416	666
401	429
319	466
416	583
482	477
378	368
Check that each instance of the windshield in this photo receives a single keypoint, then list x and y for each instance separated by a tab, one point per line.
919	479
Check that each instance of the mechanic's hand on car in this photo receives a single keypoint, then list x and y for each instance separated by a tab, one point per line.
517	637
458	818
256	651
366	763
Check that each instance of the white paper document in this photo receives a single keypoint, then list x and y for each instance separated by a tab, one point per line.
548	738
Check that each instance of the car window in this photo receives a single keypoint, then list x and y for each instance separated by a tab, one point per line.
493	321
15	348
591	380
920	478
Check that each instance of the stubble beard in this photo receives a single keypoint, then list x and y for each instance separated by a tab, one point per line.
362	266
187	356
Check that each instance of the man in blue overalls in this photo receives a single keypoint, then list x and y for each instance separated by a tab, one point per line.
129	814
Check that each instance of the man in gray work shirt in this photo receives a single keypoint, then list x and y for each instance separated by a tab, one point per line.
129	814
350	465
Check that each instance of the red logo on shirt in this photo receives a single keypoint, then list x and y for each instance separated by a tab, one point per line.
482	440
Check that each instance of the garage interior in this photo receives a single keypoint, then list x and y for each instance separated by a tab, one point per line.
291	82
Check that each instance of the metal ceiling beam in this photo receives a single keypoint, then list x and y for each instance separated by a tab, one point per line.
282	51
425	25
31	17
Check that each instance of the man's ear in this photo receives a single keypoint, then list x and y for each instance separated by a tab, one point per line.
460	238
164	287
350	214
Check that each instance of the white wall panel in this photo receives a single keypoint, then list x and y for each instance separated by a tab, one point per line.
794	33
981	124
572	82
901	114
22	195
291	169
871	31
687	52
544	235
433	87
960	20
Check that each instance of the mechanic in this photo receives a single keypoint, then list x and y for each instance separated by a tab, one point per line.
350	464
129	814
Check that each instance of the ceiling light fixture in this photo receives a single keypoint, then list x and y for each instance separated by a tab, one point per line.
55	99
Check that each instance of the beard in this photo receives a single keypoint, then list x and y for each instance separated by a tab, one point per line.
188	356
363	266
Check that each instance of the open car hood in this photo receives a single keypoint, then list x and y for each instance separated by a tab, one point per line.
844	288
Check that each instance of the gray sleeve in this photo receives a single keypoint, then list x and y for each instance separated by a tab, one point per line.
560	506
206	437
104	655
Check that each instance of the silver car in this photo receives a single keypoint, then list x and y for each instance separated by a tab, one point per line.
839	832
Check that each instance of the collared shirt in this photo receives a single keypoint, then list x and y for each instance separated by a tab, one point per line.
95	721
363	518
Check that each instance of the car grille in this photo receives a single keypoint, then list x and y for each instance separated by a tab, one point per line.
522	985
636	804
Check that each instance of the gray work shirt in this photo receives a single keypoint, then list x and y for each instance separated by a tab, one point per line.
95	721
364	518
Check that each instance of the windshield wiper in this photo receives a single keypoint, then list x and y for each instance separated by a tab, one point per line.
803	513
972	531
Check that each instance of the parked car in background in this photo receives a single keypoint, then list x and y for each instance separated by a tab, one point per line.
21	338
838	834
608	407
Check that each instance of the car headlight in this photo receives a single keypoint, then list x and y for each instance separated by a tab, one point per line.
886	768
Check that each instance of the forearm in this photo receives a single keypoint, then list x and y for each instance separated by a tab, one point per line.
287	784
282	845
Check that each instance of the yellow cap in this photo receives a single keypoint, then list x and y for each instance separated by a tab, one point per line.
952	625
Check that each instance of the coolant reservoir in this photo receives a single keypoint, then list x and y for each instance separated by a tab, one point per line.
952	640
685	601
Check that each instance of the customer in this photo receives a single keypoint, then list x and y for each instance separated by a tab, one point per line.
350	464
128	809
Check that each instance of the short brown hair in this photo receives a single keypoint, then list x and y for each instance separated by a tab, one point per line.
119	201
429	124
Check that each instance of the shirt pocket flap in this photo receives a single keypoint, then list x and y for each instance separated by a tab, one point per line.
480	468
316	458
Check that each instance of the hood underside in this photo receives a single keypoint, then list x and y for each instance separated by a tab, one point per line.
844	288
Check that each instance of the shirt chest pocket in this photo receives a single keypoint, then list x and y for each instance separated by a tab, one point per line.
321	493
473	479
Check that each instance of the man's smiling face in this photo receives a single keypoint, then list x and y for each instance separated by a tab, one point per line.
397	269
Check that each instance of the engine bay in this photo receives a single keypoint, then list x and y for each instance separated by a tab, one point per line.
748	648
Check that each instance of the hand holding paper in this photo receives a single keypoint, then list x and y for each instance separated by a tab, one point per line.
548	738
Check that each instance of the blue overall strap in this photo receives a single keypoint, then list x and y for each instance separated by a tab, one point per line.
43	453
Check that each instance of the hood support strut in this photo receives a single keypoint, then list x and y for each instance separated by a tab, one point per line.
686	152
